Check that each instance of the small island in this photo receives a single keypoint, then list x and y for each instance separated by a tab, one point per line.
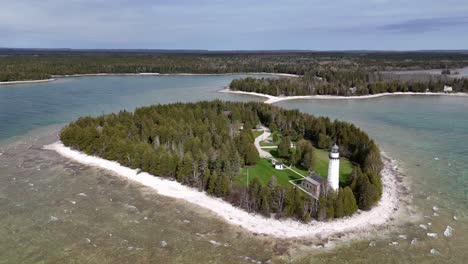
260	158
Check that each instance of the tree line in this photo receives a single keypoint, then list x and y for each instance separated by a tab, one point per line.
33	65
205	145
347	83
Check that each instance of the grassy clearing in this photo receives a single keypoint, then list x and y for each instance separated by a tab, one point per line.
264	170
268	144
257	133
321	164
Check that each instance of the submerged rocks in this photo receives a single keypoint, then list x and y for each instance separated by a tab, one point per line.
372	244
215	243
423	226
434	235
434	252
414	241
163	244
448	231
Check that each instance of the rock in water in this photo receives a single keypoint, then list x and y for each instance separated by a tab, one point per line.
432	235
423	226
448	231
53	219
455	218
435	208
163	244
414	241
435	252
372	243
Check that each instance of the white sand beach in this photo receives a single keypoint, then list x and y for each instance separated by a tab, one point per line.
173	74
26	82
275	99
360	223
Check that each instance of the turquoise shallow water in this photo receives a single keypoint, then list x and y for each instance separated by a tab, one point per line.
428	136
25	107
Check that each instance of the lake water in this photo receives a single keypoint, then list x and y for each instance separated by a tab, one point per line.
54	211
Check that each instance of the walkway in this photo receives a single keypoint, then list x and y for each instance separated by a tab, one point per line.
265	135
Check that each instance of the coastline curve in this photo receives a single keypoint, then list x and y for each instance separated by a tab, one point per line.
360	223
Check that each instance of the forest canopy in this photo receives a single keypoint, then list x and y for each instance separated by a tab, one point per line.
17	64
205	145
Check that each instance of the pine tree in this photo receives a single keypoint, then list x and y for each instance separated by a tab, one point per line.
308	160
349	202
266	201
339	204
212	183
284	147
368	196
330	206
206	179
251	156
322	210
222	186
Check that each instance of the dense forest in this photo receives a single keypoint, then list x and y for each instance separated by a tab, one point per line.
348	82
205	145
20	64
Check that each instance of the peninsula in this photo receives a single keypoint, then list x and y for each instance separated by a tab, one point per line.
218	149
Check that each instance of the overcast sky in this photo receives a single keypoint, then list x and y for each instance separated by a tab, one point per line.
235	24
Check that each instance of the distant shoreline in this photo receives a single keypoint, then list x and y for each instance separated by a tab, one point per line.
26	82
275	99
173	74
55	77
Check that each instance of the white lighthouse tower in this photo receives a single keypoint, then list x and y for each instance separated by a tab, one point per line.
334	168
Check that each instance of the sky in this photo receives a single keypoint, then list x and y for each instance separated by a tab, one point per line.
235	24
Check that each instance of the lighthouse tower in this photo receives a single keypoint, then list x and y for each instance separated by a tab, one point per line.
334	168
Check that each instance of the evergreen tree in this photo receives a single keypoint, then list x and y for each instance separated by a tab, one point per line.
339	204
222	186
322	209
284	147
330	206
349	202
308	160
206	179
251	156
212	183
368	196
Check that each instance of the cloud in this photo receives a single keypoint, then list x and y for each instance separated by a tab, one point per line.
223	24
425	25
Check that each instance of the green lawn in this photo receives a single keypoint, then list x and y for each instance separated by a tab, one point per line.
321	164
264	170
267	144
257	133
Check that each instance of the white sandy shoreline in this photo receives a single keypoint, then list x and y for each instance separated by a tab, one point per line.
360	223
275	99
174	74
26	82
